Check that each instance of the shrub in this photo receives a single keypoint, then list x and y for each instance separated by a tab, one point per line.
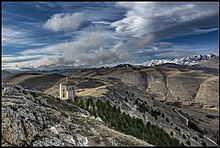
210	116
184	137
203	144
167	120
188	142
195	138
194	127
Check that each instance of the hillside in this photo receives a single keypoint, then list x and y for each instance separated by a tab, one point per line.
19	78
209	89
44	121
148	92
34	80
212	63
168	82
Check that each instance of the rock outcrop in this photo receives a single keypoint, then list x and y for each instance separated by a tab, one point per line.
35	119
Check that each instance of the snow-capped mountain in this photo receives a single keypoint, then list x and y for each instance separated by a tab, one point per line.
189	61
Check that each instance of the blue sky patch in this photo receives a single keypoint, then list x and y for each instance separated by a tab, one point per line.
92	34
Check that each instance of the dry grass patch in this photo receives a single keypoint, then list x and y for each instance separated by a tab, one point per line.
94	92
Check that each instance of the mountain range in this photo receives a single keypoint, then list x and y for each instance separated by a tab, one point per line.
189	61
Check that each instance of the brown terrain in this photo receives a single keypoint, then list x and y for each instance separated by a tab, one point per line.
192	90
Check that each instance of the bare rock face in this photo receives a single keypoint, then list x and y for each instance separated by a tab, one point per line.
208	93
156	83
28	120
183	87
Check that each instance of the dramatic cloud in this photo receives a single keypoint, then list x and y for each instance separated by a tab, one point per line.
148	17
85	43
64	22
137	21
89	50
97	34
146	23
100	57
103	57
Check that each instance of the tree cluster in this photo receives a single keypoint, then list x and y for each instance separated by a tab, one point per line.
126	124
194	127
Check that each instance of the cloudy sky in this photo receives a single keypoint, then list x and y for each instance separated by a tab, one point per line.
93	34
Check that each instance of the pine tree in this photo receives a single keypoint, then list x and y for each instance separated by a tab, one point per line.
90	107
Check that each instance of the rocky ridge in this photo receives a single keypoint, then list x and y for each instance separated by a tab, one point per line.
35	119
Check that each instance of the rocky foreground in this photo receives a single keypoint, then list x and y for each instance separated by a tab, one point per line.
35	119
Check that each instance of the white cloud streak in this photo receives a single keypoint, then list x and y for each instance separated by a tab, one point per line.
64	22
30	64
148	17
12	58
17	37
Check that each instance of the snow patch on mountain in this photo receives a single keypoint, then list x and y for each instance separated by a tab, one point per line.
189	61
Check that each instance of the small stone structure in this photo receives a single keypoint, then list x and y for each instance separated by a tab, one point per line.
67	90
